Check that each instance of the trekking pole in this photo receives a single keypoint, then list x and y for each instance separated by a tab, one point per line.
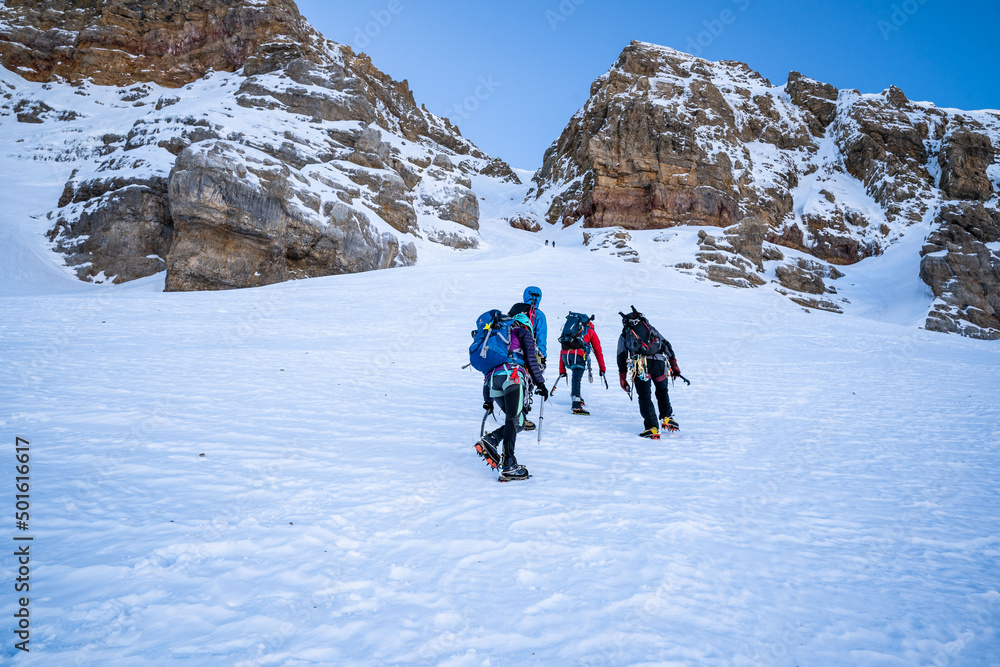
541	419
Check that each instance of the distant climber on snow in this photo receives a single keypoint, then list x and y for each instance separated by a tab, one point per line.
645	356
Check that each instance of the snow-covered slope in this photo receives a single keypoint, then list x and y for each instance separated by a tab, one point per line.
285	476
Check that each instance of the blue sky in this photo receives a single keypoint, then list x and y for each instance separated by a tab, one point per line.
510	74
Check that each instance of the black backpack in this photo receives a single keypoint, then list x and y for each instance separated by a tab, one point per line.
574	330
640	336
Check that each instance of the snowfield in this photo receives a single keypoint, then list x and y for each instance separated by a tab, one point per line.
285	475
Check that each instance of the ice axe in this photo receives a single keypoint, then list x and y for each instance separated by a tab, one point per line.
482	427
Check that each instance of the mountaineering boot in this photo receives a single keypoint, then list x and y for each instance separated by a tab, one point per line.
529	425
515	474
511	471
580	411
651	433
487	450
669	424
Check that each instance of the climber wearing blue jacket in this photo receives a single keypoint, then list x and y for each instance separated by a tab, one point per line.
529	305
533	297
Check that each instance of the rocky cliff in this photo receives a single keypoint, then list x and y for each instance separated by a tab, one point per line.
228	143
114	42
667	139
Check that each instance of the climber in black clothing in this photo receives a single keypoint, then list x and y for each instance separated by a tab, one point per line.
645	357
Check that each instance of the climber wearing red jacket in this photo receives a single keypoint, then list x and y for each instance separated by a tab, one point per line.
578	338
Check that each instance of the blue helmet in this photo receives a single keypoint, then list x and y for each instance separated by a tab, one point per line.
522	319
532	296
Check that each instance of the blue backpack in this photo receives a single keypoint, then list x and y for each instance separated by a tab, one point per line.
574	330
491	342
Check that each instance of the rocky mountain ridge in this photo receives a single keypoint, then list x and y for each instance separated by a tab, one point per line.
667	139
227	142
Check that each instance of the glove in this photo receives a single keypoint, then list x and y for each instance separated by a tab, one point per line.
488	406
623	382
675	371
543	392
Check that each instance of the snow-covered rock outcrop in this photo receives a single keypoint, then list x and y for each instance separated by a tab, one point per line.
668	139
228	143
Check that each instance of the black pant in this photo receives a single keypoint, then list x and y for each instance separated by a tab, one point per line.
577	373
657	369
510	397
575	364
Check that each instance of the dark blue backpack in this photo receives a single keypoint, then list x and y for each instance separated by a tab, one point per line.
574	330
491	342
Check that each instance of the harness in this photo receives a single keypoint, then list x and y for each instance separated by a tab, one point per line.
637	368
